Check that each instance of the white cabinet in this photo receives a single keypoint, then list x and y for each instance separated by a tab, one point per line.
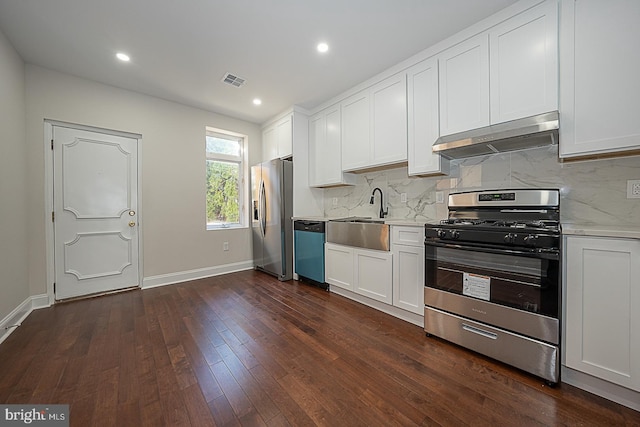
269	144
355	131
423	120
373	274
407	247
603	308
389	121
507	73
277	139
325	150
363	271
374	125
464	86
599	77
338	262
524	64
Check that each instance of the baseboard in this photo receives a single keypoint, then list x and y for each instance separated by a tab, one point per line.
407	316
602	388
201	273
17	316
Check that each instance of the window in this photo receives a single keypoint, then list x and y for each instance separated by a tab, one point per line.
226	178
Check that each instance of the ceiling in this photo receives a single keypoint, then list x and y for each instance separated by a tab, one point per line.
180	50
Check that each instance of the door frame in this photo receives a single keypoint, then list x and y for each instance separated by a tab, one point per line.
48	195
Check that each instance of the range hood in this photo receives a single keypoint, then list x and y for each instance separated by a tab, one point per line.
530	132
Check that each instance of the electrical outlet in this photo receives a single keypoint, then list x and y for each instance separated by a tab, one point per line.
225	246
439	197
633	189
335	201
403	197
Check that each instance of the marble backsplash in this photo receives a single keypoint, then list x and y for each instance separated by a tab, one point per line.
592	192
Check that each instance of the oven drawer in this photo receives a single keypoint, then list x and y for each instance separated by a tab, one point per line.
523	322
530	355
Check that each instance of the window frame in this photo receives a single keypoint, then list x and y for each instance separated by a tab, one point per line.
241	160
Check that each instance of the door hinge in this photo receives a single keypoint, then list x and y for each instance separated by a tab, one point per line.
52	144
53	216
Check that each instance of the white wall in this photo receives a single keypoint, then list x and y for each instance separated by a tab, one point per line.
14	282
174	236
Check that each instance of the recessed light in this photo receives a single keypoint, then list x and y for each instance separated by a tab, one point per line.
322	47
123	57
257	101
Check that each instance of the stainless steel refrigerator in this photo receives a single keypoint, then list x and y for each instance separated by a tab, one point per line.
271	211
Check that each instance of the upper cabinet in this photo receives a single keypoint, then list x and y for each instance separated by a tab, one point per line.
599	77
524	64
325	150
423	120
355	131
506	73
277	139
464	86
374	125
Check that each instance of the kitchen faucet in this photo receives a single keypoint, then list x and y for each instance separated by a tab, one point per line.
383	213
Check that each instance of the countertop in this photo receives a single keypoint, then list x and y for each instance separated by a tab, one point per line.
594	230
390	221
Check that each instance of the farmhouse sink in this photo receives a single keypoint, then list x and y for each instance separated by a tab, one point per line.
368	233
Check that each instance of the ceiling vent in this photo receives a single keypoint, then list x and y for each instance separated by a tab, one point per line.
233	80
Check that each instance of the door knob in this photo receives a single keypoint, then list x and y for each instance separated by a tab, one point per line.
132	223
132	213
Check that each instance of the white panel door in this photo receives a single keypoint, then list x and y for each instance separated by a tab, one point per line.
389	121
464	86
317	138
599	69
373	274
338	265
408	278
524	64
603	308
284	138
355	130
96	212
269	144
332	150
423	120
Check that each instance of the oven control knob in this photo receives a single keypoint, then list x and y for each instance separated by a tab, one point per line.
508	238
441	234
531	239
455	234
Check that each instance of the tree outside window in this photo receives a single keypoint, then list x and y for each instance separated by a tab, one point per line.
225	179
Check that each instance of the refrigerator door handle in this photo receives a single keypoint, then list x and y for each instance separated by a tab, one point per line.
263	217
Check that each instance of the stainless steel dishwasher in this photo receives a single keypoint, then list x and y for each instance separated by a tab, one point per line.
309	237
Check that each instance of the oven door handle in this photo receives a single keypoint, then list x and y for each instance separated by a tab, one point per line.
504	279
479	331
552	255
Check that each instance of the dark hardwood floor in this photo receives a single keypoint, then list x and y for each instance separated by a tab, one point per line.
245	349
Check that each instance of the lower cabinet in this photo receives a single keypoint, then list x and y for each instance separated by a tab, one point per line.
408	278
338	265
373	271
603	308
363	271
407	246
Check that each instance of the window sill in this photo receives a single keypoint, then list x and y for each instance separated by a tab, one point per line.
226	227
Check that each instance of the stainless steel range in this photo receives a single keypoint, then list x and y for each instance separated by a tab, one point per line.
492	277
